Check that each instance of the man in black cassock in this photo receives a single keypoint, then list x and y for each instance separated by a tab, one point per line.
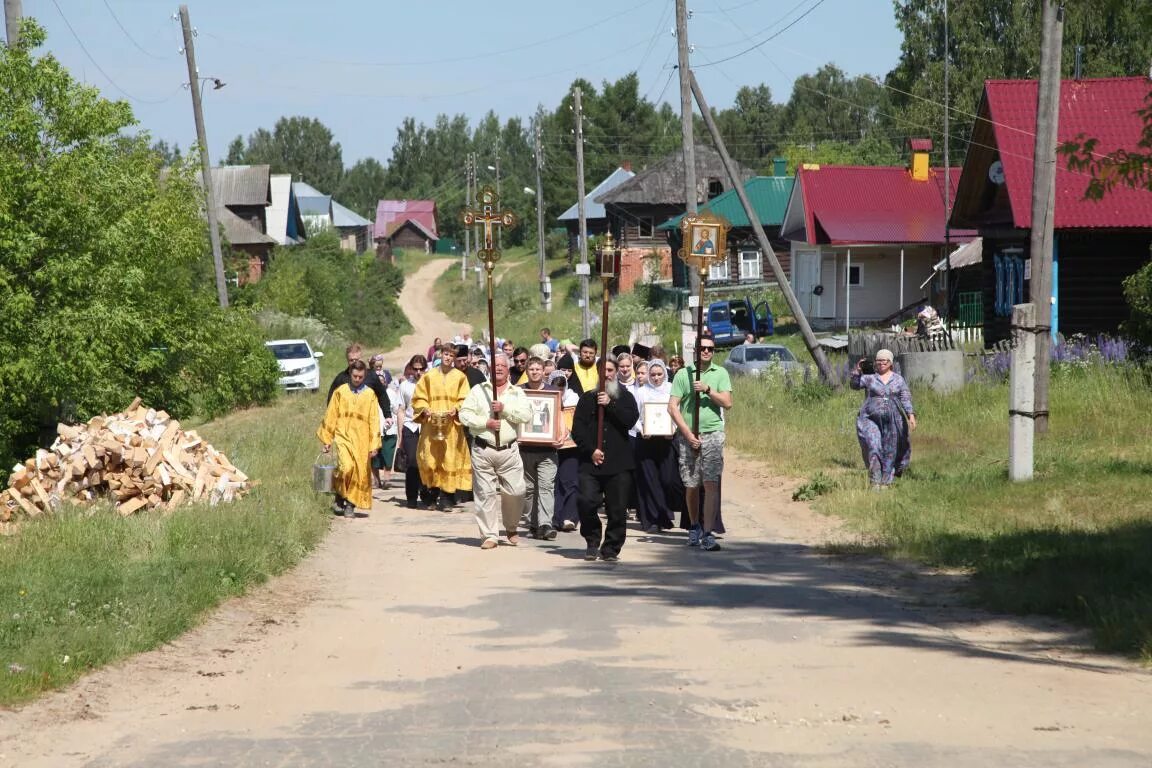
605	474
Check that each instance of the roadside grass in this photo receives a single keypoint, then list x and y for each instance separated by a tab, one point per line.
517	303
86	588
1073	543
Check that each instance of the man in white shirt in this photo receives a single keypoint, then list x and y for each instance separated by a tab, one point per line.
497	471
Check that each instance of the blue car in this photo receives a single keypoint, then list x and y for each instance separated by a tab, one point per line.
729	320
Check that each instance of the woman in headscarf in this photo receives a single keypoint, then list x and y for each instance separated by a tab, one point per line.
884	421
659	491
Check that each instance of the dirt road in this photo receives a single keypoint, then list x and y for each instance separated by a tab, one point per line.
401	643
427	321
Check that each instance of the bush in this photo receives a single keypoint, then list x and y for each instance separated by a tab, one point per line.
1138	293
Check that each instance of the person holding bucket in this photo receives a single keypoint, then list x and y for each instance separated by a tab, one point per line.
352	425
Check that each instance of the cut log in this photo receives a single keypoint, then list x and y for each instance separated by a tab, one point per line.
131	506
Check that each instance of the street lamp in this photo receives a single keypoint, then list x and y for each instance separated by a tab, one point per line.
545	283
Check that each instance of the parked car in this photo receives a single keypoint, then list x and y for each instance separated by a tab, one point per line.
299	368
729	320
754	359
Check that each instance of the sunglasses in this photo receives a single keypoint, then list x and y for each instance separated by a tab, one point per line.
707	349
419	370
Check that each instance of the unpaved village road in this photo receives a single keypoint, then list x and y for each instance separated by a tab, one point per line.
401	643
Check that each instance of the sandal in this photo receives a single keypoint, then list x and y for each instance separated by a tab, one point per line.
513	540
489	544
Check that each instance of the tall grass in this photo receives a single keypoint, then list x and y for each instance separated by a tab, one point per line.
1074	542
85	588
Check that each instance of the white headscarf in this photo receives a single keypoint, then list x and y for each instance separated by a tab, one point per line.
652	393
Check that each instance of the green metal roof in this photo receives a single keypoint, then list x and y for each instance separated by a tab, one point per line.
768	195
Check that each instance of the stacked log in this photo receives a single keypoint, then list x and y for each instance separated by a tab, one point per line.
139	458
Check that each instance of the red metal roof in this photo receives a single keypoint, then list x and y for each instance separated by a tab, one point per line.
852	204
1104	109
392	214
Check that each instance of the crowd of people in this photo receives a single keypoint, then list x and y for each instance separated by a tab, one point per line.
647	442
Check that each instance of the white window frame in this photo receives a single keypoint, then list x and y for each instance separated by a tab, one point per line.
718	270
756	271
645	222
848	275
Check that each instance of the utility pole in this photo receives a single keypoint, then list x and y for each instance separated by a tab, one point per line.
584	270
947	189
1044	199
205	165
814	349
545	283
12	15
686	125
467	205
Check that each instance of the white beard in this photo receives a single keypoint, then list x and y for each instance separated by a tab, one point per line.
612	387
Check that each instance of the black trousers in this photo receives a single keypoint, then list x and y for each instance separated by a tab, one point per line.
613	491
413	488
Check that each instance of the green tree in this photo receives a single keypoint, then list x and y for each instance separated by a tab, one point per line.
991	39
169	155
828	105
363	186
751	127
93	237
301	146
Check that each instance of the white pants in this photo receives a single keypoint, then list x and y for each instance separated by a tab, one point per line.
497	478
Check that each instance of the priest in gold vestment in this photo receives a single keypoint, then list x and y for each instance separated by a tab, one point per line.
352	426
445	464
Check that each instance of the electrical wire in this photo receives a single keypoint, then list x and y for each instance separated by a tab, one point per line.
101	69
770	38
129	34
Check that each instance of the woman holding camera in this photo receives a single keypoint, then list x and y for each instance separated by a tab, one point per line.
885	420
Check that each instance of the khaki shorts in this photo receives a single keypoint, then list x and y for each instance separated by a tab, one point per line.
707	464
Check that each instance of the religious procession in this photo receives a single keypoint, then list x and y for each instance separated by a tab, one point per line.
546	438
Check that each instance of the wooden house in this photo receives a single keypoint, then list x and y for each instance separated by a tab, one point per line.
1096	243
322	212
242	194
745	265
864	239
639	205
407	224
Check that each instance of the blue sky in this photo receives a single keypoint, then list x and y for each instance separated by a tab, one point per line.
361	66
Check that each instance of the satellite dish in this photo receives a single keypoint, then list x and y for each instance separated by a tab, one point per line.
996	172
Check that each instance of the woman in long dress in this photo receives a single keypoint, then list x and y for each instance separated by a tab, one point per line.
657	475
885	421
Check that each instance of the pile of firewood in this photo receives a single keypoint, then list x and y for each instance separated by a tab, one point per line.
140	458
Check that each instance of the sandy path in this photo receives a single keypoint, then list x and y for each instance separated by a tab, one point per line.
427	320
401	643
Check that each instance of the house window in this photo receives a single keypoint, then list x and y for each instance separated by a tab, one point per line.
646	226
749	265
852	276
715	188
718	270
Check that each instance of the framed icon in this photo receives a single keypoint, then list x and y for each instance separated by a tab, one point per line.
569	415
655	421
545	425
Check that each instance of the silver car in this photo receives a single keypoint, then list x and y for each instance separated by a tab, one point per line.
754	359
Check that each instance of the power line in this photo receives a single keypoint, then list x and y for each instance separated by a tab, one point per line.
768	39
101	69
129	34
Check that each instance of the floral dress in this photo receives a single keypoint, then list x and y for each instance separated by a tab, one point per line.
882	426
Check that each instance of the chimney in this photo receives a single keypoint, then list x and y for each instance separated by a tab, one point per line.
626	165
779	166
918	166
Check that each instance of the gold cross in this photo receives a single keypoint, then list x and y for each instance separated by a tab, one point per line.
488	215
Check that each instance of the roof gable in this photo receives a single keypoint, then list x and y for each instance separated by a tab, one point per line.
593	209
871	204
391	215
663	183
1101	108
242	185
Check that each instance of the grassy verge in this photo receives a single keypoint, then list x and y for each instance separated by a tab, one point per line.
82	590
517	303
1074	543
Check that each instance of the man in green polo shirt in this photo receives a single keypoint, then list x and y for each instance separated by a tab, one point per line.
702	456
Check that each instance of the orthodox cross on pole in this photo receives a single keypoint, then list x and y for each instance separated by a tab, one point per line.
705	240
489	216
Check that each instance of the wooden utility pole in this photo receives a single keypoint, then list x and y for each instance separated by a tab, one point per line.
205	165
686	123
545	283
467	204
1044	199
12	15
947	190
765	247
586	327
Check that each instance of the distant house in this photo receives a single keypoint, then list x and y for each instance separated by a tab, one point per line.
242	194
408	224
285	224
865	238
745	264
1096	244
637	206
321	212
596	220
